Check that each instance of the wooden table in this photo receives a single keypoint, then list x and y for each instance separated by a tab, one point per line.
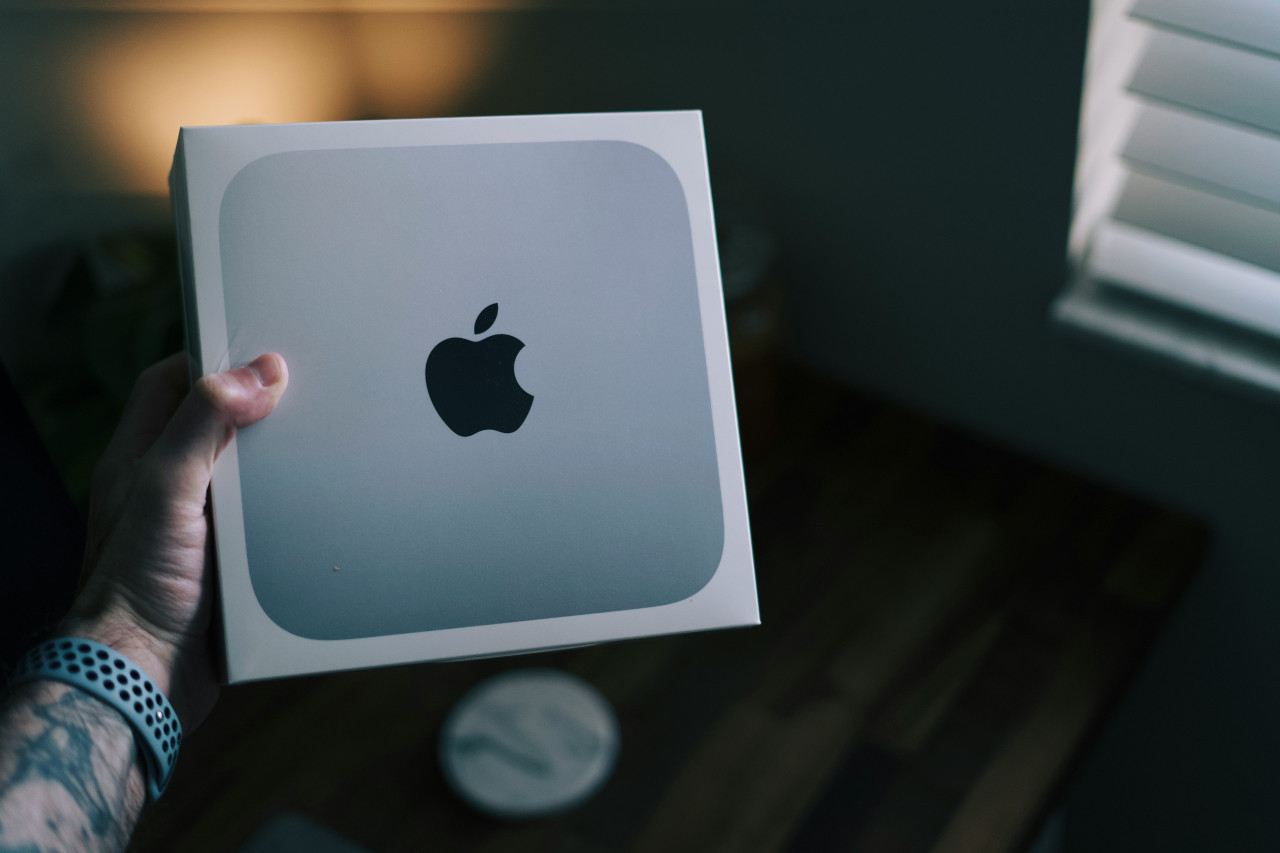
946	627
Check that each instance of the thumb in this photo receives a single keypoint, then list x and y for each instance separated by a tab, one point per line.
206	421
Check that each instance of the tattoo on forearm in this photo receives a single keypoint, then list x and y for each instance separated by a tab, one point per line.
63	752
21	848
69	778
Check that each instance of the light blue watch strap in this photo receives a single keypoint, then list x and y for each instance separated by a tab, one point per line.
122	684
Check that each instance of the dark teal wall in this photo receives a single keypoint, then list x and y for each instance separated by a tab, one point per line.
917	159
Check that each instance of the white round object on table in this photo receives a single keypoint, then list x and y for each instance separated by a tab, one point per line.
529	743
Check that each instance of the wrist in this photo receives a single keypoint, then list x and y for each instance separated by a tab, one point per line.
102	673
179	664
116	625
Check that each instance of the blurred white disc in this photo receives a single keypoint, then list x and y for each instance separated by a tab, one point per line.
529	743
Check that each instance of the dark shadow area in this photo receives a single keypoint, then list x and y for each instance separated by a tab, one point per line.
905	402
42	530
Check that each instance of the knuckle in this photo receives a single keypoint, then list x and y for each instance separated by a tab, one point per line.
211	391
148	377
152	370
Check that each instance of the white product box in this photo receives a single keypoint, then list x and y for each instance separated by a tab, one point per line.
509	423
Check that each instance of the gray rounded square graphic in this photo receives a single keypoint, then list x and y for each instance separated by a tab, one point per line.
364	513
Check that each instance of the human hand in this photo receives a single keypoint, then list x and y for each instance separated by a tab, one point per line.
149	556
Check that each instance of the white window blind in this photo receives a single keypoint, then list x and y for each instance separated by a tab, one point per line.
1175	237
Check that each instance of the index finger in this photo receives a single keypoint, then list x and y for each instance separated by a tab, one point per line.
155	397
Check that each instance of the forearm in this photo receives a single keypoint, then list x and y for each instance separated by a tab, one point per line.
70	777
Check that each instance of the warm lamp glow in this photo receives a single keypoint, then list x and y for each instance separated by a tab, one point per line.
142	82
156	76
418	65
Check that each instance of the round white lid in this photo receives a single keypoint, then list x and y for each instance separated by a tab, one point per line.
529	743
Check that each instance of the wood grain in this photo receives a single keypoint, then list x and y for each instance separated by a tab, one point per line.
947	625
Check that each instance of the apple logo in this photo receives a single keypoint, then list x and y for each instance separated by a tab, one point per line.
473	384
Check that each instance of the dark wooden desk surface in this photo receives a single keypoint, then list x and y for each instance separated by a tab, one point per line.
946	626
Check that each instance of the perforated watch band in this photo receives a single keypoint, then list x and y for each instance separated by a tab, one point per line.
122	684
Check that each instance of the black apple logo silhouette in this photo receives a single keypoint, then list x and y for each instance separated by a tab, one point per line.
473	384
